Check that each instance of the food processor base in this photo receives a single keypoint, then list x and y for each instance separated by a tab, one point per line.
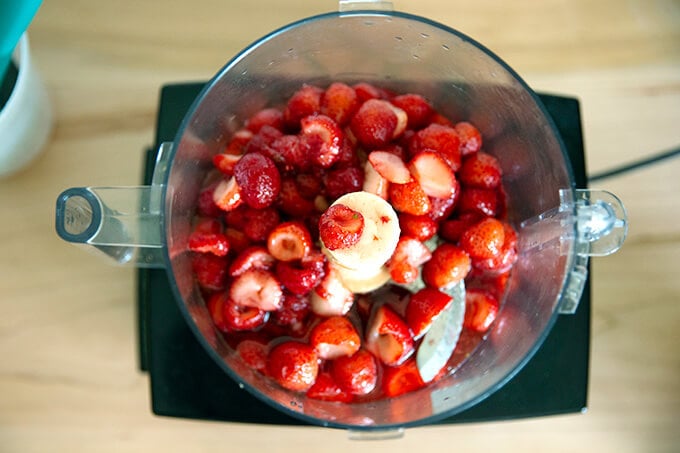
187	383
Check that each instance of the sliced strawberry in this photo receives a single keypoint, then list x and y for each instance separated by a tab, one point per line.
206	206
375	123
253	353
291	153
506	257
215	306
242	317
366	91
289	241
480	170
304	102
215	243
253	257
449	265
484	239
291	200
422	309
258	223
300	277
266	117
340	181
227	194
433	174
420	227
478	201
388	337
331	297
326	389
293	314
417	108
238	241
293	365
210	270
470	138
208	225
340	227
257	288
357	374
323	138
374	182
390	166
441	139
452	230
239	142
225	163
481	308
261	143
443	207
335	337
339	102
408	256
401	379
409	198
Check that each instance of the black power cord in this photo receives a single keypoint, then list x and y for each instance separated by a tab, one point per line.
634	165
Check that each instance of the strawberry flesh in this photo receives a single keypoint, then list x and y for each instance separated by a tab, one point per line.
340	227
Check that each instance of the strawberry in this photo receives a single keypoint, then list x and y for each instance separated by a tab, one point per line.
206	206
449	265
357	374
366	91
326	389
266	117
289	241
401	379
340	227
423	307
292	202
334	337
242	317
215	243
239	142
253	353
262	142
340	181
390	166
443	207
388	337
227	194
481	308
238	241
258	223
377	122
484	239
225	163
300	277
208	225
470	138
308	185
409	198
506	257
293	314
210	270
331	297
409	254
257	288
293	365
478	201
291	153
339	102
443	140
374	182
433	174
417	108
253	257
420	227
480	170
215	306
323	138
304	102
452	229
259	180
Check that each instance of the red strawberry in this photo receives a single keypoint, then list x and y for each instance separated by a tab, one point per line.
443	207
326	389
302	276
401	379
308	185
438	118
484	239
227	194
433	174
449	265
253	353
323	138
215	306
208	225
292	202
452	230
304	102
481	308
377	122
357	374
259	180
331	297
334	337
289	241
506	257
390	166
409	198
242	317
253	257
374	182
339	102
388	337
340	181
293	314
416	107
441	139
225	163
238	241
266	117
293	365
258	223
257	288
206	205
340	227
366	91
239	142
480	170
421	227
423	307
210	270
291	153
478	201
470	138
215	243
262	143
408	256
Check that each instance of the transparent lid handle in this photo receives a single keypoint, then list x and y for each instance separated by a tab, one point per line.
360	5
601	221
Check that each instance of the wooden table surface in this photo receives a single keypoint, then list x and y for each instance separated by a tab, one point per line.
69	379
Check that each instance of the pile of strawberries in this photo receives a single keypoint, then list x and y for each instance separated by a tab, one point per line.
275	295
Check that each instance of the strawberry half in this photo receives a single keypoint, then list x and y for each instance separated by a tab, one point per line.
227	194
423	307
390	166
253	353
289	241
433	174
323	138
421	227
335	337
340	227
484	239
409	198
416	107
257	288
480	170
376	123
326	389
339	102
253	257
357	374
242	317
408	256
293	365
401	379
481	308
388	337
225	163
331	297
266	117
444	140
470	138
449	265
506	257
215	243
304	102
300	277
210	270
374	182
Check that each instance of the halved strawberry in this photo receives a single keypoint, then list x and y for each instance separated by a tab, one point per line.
242	317
239	142
388	337
449	265
390	166
304	102
215	306
257	288
374	182
301	276
331	297
293	314
421	227
479	201
339	181
323	138
366	91
423	307
253	353
326	389
291	153
484	239
480	170
335	337
339	102
225	162
238	241
470	138
340	227
208	225
481	308
409	198
408	256
358	373
253	257
401	379
442	208
227	194
452	229
205	205
215	243
417	108
441	139
257	224
266	117
292	201
376	123
289	241
433	174
294	365
506	257
210	270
